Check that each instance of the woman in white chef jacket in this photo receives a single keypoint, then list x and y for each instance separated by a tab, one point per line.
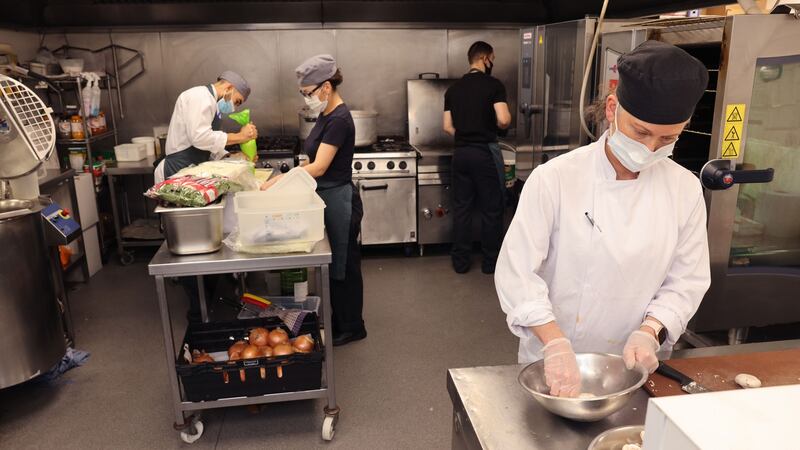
608	250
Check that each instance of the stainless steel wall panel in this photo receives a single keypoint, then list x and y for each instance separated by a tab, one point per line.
294	46
377	63
506	50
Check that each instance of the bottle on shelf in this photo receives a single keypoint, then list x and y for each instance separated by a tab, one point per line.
64	127
76	125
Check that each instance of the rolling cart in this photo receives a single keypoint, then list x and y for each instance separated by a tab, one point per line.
166	265
115	170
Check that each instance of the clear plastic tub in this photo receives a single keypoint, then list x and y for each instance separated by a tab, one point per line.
280	216
130	152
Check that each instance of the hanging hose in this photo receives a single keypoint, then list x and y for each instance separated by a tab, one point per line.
586	71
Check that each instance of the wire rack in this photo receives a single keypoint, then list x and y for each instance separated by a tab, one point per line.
31	114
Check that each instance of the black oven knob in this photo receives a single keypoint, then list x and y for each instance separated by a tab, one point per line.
371	165
403	165
357	166
284	167
390	165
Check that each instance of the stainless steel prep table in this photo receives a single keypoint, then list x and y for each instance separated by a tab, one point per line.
492	411
164	264
134	168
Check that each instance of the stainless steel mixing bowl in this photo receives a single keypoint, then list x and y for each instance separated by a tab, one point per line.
602	375
616	438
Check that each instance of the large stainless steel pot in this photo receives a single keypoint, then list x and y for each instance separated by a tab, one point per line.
366	123
32	336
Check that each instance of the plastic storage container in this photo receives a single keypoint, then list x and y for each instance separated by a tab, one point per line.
193	231
148	141
290	212
130	152
223	379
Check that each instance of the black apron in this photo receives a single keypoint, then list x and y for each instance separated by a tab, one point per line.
338	200
190	156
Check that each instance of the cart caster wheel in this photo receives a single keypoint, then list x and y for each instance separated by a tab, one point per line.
191	438
126	258
329	428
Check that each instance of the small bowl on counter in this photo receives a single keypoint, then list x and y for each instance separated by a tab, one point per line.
618	438
603	376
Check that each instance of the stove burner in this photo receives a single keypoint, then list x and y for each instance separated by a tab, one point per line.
387	144
278	144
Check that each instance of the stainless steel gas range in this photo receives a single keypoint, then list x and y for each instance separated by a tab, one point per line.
386	177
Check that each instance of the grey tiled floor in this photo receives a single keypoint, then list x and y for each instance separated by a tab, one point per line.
421	317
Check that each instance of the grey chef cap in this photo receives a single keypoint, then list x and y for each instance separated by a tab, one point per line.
660	83
315	70
237	81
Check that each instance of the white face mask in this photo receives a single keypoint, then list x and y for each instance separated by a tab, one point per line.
315	104
632	154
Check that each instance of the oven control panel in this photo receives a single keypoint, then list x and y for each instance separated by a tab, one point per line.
384	167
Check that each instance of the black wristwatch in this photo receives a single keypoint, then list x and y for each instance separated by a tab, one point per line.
660	330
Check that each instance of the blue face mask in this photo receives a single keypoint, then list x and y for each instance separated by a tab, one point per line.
225	106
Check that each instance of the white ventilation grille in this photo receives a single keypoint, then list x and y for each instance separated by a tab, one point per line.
31	115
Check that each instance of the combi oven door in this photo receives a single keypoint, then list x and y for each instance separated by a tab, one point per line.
390	206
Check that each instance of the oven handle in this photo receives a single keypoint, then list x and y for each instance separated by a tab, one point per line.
380	187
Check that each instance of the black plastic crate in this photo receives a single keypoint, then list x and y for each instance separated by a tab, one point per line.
211	381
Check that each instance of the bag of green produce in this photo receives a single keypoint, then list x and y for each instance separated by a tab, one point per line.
190	190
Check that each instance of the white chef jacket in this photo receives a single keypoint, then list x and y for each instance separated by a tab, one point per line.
190	125
647	253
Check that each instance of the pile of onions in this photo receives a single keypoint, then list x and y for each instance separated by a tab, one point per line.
262	343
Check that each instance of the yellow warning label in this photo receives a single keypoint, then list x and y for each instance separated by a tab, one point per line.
541	40
732	133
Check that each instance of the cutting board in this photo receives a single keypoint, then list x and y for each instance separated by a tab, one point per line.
716	373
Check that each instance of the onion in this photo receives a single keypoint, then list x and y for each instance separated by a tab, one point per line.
266	351
278	336
250	352
282	350
303	344
199	357
236	348
259	336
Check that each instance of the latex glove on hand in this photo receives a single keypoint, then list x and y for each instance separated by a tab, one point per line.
640	349
561	368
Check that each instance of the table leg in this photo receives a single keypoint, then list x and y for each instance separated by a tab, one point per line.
201	293
325	293
169	347
115	213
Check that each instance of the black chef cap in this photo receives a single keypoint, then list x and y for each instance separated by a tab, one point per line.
660	83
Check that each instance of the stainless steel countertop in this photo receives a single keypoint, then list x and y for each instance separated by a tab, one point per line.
501	415
226	260
55	175
142	167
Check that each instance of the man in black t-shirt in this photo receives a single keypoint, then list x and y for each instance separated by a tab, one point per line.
475	110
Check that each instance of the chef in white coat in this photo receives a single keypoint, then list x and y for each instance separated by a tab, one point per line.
608	250
195	133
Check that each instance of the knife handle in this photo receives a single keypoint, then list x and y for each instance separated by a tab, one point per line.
672	373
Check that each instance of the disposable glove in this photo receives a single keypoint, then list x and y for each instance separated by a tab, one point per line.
561	368
640	349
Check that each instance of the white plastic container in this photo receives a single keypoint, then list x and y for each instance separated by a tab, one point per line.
72	67
76	160
130	152
290	212
148	141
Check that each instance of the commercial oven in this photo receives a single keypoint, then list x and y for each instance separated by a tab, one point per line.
552	65
748	114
